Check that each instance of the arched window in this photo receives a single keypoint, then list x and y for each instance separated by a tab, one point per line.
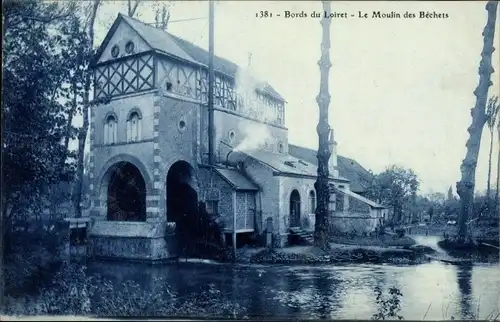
312	201
134	127
110	127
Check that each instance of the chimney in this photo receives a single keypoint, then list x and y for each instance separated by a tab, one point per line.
332	163
249	59
331	140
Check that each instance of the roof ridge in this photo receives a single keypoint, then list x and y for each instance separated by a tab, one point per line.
224	62
177	37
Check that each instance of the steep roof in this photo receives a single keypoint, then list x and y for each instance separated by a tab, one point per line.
360	177
372	204
169	44
158	39
285	163
236	179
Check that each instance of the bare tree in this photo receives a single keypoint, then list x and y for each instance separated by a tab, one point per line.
132	6
82	134
465	187
162	14
321	228
497	195
491	114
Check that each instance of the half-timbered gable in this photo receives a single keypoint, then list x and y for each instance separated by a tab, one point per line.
123	41
178	78
136	57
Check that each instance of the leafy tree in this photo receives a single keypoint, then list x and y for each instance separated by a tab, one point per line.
35	119
396	187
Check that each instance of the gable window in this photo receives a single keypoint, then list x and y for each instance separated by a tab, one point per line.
134	127
312	201
110	130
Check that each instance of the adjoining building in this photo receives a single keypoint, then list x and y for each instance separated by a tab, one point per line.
151	140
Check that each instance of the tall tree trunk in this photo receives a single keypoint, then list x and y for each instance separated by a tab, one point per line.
497	194
321	228
465	187
82	134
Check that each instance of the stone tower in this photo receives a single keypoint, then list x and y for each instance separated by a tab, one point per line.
148	134
151	140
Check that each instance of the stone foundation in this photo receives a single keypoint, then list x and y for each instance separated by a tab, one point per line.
280	240
139	241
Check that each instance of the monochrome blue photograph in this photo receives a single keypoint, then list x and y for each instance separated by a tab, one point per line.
250	160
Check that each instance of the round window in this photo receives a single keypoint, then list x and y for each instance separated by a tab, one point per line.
129	47
182	124
232	136
115	51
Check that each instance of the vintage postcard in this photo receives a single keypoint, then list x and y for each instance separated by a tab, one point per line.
250	160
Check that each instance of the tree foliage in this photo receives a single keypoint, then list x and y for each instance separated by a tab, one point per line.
40	46
396	188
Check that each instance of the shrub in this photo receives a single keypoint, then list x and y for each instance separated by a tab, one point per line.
73	292
388	307
400	232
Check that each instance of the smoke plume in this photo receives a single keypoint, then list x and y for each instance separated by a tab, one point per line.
255	134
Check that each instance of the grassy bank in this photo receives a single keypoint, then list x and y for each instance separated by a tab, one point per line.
339	254
380	241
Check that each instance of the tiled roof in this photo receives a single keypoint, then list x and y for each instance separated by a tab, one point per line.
158	39
362	199
236	179
360	177
286	163
170	44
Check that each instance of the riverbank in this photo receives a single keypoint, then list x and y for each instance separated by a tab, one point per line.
344	249
481	252
338	253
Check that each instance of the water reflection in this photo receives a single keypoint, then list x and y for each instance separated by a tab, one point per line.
330	292
464	281
324	287
255	291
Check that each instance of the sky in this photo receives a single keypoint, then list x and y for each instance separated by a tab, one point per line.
401	89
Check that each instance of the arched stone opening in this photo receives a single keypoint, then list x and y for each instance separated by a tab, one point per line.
295	209
124	191
182	198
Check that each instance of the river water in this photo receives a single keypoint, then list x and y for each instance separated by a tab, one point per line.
433	291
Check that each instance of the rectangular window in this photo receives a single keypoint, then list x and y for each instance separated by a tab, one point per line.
339	202
212	207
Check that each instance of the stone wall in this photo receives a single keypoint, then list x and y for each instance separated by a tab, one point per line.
304	186
213	187
245	209
354	222
133	240
267	199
